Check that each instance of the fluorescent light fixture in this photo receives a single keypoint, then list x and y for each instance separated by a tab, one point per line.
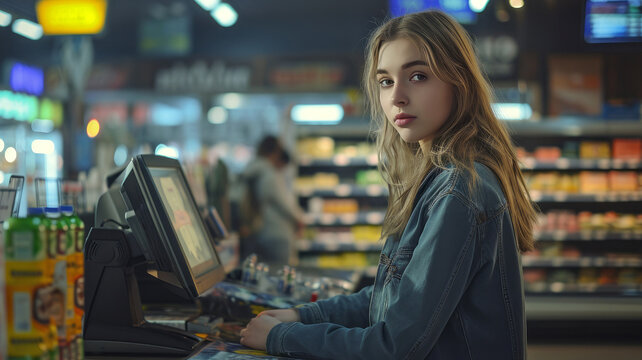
40	146
512	111
120	155
208	5
477	5
5	18
10	154
42	125
319	114
225	15
231	100
27	28
167	151
1	144
217	115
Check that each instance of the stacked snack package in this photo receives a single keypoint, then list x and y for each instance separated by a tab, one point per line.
27	290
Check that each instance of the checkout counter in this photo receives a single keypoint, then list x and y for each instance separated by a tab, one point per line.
155	286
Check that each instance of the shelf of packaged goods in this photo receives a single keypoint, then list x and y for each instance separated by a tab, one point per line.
607	196
360	218
581	164
569	126
587	235
346	190
541	288
588	307
531	261
335	246
339	160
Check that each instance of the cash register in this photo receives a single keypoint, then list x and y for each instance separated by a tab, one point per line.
147	222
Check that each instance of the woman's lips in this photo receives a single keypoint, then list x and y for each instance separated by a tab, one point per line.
403	119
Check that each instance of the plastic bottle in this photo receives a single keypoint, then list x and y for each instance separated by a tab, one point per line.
248	275
51	245
26	287
75	277
59	288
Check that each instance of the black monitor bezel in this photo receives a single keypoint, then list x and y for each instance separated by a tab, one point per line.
167	246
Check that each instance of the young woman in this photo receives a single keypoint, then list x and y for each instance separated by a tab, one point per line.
449	281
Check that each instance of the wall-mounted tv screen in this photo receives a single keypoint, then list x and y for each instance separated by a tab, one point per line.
613	21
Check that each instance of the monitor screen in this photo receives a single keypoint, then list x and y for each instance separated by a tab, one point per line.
190	231
167	225
613	21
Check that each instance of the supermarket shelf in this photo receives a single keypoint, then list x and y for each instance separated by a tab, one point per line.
590	307
339	160
584	261
589	235
334	246
583	289
363	218
581	164
608	196
574	126
345	190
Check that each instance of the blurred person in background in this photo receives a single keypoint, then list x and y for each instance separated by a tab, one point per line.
271	219
217	186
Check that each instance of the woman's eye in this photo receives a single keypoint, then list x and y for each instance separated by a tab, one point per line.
385	82
418	77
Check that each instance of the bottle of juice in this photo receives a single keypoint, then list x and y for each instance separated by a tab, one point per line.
27	296
51	245
59	288
75	280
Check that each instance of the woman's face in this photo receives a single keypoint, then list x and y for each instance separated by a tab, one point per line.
414	100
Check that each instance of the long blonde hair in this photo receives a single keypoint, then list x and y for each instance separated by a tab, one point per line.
471	133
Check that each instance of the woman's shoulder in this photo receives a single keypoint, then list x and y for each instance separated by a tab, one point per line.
484	192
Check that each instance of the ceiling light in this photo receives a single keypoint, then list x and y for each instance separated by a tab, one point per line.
477	5
516	3
5	18
27	28
318	114
225	15
208	5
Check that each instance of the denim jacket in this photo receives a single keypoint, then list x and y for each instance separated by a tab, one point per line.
449	288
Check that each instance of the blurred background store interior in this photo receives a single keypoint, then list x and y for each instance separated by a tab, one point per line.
206	80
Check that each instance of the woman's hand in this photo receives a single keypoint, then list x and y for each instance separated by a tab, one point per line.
285	315
257	330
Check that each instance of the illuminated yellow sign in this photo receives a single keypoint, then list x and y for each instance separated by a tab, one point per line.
65	17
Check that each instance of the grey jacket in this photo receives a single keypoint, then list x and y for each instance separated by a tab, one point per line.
449	288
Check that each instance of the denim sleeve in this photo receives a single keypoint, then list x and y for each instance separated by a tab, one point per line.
429	291
346	310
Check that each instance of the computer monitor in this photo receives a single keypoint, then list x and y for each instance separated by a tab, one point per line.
148	219
164	218
613	21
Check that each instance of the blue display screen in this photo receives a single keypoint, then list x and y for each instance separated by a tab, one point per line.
609	21
459	9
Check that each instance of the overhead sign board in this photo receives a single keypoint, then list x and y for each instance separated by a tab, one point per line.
71	17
